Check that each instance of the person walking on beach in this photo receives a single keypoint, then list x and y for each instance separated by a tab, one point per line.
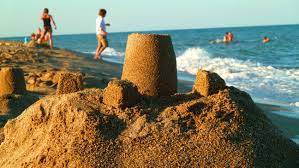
47	19
101	33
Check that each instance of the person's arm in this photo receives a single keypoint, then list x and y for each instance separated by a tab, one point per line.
53	22
102	30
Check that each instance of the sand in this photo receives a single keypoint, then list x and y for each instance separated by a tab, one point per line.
121	94
69	83
150	63
12	81
222	129
208	83
185	130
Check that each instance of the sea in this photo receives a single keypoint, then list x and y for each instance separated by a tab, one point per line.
268	72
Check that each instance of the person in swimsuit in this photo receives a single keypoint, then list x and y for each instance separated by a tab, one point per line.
47	19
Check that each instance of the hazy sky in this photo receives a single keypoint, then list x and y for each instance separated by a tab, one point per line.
20	17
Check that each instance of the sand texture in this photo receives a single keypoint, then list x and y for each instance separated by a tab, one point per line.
150	64
208	83
121	94
12	81
69	83
42	69
185	130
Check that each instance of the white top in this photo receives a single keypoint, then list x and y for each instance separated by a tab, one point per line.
100	25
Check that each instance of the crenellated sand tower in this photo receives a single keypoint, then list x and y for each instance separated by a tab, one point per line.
150	64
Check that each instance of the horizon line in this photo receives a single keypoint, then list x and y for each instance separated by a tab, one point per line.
158	30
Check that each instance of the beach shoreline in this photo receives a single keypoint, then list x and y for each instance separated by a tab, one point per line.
97	74
82	100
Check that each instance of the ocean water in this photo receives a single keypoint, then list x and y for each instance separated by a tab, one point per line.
269	72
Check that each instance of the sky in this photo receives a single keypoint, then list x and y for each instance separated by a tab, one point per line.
22	17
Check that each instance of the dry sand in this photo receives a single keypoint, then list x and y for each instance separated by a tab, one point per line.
225	129
42	69
150	63
186	130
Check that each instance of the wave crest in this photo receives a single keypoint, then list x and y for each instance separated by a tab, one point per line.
252	77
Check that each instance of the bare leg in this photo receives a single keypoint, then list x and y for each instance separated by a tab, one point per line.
97	52
103	47
39	41
51	40
101	50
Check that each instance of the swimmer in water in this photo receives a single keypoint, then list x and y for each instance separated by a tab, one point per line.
266	39
226	37
230	36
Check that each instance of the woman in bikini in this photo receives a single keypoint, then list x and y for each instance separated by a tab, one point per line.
47	19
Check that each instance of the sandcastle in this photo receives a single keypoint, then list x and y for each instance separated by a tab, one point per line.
120	94
12	81
69	83
150	64
208	83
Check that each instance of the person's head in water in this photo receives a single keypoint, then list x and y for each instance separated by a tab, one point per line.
102	12
266	39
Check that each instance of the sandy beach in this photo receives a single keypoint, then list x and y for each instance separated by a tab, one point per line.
222	129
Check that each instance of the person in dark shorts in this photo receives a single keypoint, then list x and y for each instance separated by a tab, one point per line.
47	19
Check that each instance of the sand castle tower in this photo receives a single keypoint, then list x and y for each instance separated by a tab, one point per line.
12	81
150	64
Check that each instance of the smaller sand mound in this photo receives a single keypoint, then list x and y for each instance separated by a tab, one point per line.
208	83
12	81
121	94
69	83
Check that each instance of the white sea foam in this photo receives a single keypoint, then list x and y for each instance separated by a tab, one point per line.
296	139
295	104
259	80
109	52
112	52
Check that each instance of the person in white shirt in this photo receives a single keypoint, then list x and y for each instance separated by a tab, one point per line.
101	33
